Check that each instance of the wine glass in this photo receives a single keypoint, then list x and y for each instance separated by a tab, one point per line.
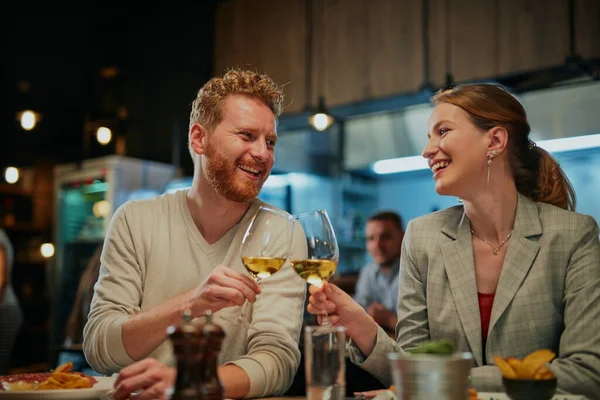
323	251
266	246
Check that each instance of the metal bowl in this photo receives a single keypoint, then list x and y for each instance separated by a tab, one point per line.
431	376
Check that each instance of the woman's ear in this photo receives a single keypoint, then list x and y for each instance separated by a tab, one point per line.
498	139
197	136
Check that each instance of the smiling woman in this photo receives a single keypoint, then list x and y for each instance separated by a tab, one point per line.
475	109
510	271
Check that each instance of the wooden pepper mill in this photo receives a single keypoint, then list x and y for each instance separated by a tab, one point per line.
197	348
212	388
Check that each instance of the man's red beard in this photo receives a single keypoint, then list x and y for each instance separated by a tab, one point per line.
220	173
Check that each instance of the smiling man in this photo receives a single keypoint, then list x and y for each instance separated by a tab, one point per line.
181	251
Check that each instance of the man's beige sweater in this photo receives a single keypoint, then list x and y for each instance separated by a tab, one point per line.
153	251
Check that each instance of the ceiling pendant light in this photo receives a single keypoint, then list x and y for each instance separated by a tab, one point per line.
321	119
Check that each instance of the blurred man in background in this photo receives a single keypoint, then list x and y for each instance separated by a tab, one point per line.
377	285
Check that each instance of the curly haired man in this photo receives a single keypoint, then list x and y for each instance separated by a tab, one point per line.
181	251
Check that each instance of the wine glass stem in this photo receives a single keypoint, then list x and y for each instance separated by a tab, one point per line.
242	314
325	319
240	318
324	316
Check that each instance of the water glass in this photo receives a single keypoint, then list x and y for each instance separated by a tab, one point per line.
325	363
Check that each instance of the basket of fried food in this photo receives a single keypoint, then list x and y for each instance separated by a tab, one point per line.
61	378
529	378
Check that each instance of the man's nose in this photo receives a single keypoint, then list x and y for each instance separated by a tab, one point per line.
260	151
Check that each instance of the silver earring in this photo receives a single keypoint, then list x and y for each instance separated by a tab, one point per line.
490	155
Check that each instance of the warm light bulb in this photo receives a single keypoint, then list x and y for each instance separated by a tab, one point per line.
28	120
103	135
47	250
101	208
321	121
11	175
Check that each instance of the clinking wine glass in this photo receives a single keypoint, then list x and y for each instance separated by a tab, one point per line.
323	251
266	246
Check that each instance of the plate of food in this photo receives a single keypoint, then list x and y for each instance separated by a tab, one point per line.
61	383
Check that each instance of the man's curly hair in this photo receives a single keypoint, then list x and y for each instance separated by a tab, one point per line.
207	108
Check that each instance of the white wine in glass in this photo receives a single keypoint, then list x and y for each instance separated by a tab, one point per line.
323	251
262	267
266	246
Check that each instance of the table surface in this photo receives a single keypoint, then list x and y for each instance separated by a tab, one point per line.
481	395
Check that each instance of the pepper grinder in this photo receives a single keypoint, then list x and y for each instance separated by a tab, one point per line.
213	338
197	348
187	340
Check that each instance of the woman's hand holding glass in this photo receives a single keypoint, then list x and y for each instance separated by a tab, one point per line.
323	251
342	310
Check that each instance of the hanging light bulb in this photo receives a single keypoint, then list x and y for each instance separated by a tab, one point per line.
47	250
11	175
321	120
28	119
103	135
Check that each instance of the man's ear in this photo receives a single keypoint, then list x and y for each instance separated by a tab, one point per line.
498	140
197	138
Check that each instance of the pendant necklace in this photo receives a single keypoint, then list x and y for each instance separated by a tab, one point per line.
494	248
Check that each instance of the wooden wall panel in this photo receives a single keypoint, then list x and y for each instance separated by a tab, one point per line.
268	35
395	47
587	28
373	48
438	45
473	39
533	34
341	40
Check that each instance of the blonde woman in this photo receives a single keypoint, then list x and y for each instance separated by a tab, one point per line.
511	270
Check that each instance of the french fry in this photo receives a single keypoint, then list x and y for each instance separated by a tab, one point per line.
514	362
60	378
63	378
540	357
67	367
531	367
543	373
533	362
507	371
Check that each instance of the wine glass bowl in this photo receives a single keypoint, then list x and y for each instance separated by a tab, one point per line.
323	251
266	245
315	272
262	267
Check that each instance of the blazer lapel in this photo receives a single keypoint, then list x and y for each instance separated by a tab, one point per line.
520	255
460	269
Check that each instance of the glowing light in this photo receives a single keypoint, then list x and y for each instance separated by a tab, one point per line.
321	121
570	143
11	175
28	120
101	208
47	250
402	164
103	135
276	181
417	163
